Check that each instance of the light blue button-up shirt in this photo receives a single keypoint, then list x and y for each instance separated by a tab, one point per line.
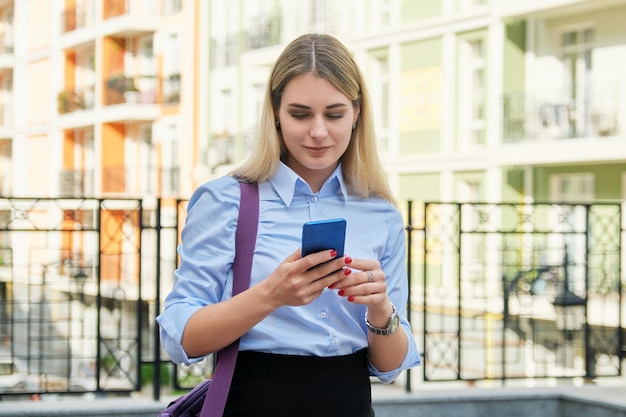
330	325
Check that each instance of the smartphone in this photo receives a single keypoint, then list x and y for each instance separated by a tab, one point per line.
324	234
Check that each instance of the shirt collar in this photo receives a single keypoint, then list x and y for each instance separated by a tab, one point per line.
287	183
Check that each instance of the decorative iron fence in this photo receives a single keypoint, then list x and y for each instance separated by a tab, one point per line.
507	291
498	291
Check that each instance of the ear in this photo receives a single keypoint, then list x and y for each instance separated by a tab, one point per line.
357	113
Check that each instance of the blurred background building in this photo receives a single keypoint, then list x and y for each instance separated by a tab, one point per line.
475	100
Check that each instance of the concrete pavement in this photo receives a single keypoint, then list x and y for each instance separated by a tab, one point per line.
389	401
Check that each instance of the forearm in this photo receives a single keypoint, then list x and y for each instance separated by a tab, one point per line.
215	326
386	352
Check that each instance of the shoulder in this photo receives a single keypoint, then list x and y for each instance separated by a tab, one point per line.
221	192
377	205
381	212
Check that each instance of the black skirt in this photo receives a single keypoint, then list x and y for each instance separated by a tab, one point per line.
269	385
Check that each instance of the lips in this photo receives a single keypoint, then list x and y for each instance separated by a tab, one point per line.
317	150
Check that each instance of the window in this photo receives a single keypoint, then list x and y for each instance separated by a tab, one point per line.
6	167
6	100
172	6
578	188
140	161
380	13
171	69
473	92
170	170
577	49
380	97
7	37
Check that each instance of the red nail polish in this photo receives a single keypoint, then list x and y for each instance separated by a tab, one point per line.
351	298
331	286
348	260
347	271
333	253
341	292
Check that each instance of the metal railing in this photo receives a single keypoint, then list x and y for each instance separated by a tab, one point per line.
509	291
498	292
594	110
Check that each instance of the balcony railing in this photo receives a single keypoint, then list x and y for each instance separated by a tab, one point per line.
594	111
119	89
76	183
72	100
263	31
122	89
141	181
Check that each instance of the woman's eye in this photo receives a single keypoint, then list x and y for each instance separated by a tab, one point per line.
299	115
335	116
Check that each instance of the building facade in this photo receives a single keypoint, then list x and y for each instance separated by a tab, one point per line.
475	100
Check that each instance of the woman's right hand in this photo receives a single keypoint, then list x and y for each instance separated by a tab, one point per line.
296	281
300	280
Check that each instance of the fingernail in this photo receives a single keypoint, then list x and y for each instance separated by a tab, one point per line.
331	286
348	260
347	271
341	293
351	298
333	253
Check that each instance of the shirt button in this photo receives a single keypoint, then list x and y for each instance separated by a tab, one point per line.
323	314
314	199
335	340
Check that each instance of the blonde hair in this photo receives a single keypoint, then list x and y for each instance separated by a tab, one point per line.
326	57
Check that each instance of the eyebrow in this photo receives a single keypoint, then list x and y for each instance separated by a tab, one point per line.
331	106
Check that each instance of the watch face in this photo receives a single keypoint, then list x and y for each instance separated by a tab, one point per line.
395	321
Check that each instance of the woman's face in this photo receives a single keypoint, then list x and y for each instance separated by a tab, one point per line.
316	125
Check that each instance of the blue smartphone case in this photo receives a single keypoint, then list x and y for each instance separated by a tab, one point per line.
324	235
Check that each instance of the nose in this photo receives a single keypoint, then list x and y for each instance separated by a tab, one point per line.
318	129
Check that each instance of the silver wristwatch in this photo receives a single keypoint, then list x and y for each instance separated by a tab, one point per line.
390	328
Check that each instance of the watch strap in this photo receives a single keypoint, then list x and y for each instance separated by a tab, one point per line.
389	328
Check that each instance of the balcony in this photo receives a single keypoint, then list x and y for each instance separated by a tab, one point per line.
76	183
130	17
131	90
141	181
81	16
591	112
75	99
263	31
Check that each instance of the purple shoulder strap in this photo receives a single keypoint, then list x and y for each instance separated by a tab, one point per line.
245	240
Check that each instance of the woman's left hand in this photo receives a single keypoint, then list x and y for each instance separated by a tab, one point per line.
365	283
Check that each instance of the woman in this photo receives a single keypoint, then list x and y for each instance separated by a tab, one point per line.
313	328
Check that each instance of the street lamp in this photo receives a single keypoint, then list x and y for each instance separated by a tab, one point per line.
570	317
570	310
80	278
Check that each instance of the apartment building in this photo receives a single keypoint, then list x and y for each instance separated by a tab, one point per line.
91	96
476	100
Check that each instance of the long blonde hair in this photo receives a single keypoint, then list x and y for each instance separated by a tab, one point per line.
326	57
